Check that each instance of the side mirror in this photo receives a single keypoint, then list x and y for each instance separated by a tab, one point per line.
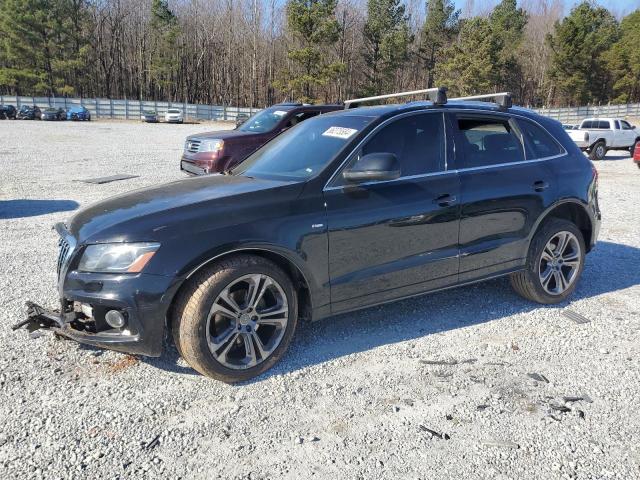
373	167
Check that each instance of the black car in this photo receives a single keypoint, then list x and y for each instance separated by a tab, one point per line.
54	114
8	112
344	211
28	112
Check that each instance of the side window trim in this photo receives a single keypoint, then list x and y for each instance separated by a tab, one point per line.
331	183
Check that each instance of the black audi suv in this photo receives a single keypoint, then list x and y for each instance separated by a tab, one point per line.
347	210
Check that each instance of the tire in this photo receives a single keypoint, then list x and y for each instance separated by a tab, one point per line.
194	324
528	282
598	151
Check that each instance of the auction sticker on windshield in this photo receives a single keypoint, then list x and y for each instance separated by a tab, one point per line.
279	113
339	132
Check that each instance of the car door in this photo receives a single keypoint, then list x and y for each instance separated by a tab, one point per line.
395	238
505	185
629	133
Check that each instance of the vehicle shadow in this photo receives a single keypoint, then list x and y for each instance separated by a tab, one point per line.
32	208
610	267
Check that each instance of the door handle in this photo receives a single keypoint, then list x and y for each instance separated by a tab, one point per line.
540	185
445	200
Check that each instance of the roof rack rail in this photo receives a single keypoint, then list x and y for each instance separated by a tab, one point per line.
503	99
436	95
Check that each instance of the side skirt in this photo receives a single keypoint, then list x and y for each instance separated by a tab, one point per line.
324	312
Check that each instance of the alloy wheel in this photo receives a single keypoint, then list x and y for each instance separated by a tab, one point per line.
559	263
247	321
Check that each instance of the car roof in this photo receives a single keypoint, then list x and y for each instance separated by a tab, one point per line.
394	109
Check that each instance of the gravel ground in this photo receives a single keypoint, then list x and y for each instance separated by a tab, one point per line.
470	383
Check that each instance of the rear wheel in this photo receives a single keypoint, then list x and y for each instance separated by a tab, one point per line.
554	263
598	151
235	319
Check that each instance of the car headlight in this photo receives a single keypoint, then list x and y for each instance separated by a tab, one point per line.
117	257
211	145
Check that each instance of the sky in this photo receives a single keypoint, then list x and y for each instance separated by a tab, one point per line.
617	7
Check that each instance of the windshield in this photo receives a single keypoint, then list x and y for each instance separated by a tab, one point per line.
305	149
265	120
173	110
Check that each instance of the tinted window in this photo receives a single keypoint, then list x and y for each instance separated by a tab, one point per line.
538	143
625	125
265	120
304	150
587	124
488	141
300	117
603	124
616	125
417	141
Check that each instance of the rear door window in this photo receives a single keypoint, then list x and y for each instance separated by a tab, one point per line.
538	143
488	141
604	124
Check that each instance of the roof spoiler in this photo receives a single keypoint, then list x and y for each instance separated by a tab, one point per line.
503	99
437	95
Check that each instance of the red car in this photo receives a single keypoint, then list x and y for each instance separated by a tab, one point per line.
636	154
214	152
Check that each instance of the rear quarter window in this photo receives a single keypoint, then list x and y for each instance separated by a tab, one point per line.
538	143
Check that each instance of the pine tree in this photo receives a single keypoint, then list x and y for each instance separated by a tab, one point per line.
440	27
386	39
40	52
623	60
578	72
165	31
485	58
507	25
472	64
314	28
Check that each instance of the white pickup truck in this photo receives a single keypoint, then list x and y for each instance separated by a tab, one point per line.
597	136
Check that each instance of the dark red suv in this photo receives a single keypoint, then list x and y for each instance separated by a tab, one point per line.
213	152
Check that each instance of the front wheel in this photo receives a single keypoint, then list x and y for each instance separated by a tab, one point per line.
236	318
554	263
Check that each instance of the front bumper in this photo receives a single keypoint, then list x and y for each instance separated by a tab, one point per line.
143	299
202	163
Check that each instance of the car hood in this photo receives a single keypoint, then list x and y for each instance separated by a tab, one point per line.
223	134
168	210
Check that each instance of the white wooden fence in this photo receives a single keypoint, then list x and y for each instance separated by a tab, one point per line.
574	115
131	109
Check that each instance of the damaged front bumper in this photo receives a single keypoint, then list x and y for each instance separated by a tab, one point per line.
76	325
